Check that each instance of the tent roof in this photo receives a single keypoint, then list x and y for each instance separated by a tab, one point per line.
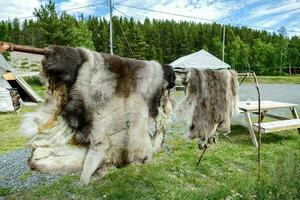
5	67
200	60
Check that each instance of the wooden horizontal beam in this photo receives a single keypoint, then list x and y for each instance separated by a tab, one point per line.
273	116
5	46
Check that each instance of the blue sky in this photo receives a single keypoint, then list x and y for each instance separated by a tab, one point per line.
264	13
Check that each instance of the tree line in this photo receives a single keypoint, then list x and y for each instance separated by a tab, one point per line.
163	40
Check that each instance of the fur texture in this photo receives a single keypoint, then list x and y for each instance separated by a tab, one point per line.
101	110
211	99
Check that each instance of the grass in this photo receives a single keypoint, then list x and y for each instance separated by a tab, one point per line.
36	85
25	175
9	130
10	122
228	170
276	79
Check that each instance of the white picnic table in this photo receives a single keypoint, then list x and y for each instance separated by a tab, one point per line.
282	123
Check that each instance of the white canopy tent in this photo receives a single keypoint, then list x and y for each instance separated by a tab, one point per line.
199	60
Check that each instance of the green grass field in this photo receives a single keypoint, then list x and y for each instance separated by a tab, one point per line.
9	130
228	170
276	79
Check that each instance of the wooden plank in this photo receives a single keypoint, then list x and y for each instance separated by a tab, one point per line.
252	106
251	130
35	97
275	126
276	117
9	76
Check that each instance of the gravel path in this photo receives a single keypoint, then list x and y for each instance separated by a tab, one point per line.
15	174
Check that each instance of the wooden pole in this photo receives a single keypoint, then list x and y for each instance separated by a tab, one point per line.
5	46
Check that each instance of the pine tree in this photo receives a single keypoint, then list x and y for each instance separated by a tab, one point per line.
163	40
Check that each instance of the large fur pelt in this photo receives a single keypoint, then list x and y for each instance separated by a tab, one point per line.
100	111
211	98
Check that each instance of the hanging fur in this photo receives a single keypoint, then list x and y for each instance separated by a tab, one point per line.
211	98
100	111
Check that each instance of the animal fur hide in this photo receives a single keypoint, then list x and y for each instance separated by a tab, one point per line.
211	98
100	111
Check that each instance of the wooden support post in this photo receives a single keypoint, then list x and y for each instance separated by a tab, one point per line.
251	130
295	115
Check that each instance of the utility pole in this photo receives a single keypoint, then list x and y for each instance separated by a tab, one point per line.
223	50
111	28
280	60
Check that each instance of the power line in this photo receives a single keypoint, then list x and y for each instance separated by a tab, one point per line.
123	13
66	10
164	12
200	18
169	13
124	32
87	6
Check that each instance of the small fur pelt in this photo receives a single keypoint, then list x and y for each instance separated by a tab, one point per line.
211	98
100	111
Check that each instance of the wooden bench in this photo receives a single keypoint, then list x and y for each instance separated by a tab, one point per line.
281	124
274	126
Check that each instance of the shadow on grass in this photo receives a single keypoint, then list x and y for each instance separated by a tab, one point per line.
278	137
4	191
240	135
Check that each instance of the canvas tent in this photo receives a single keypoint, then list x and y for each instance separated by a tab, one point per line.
199	60
9	80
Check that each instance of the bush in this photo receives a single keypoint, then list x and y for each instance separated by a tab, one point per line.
33	80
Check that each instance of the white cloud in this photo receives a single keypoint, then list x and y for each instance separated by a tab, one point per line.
278	19
280	13
17	8
207	9
70	4
295	27
24	8
285	7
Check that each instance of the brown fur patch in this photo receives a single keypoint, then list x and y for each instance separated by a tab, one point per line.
213	93
61	67
126	70
59	92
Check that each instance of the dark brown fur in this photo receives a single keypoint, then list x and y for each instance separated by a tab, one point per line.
78	116
126	70
169	75
61	67
62	64
169	78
